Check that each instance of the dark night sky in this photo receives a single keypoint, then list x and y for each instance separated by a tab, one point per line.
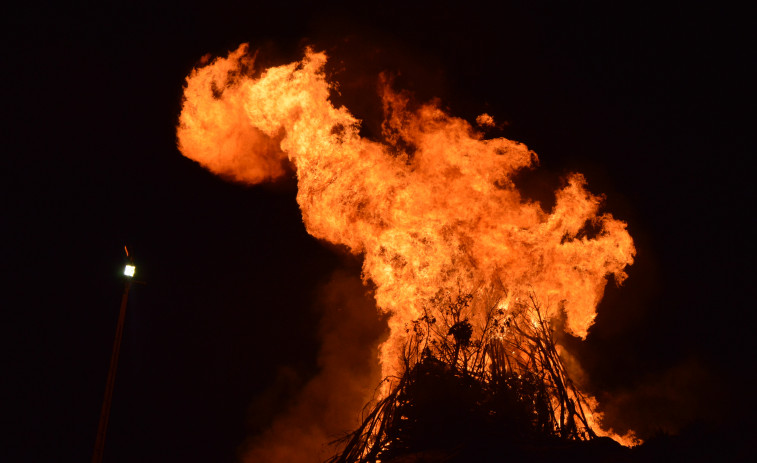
648	102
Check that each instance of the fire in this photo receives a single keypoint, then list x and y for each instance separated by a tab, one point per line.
432	208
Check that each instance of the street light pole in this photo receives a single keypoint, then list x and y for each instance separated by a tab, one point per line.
102	427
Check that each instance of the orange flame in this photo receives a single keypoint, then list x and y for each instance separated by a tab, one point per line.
443	217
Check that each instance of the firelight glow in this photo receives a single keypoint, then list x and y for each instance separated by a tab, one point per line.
444	215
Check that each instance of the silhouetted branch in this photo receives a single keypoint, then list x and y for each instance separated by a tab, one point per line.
500	374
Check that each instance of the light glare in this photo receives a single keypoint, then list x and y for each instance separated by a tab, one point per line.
129	270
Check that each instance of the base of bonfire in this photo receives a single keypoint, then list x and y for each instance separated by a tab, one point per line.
493	391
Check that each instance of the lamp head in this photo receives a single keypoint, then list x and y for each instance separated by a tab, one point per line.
129	270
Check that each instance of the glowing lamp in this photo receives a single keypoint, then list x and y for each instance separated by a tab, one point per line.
129	270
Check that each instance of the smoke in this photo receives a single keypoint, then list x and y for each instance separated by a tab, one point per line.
328	405
665	402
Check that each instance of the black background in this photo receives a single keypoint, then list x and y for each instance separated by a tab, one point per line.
649	102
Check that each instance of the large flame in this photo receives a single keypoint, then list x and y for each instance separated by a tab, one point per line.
433	207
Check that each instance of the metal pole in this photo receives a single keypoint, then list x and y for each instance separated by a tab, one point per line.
102	427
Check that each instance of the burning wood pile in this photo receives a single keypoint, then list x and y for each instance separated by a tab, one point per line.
498	381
